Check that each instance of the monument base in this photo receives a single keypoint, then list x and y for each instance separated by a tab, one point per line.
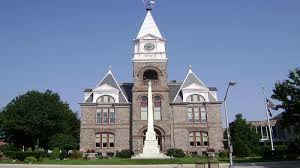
151	151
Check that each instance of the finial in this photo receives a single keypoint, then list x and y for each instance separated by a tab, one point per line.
109	68
149	4
190	69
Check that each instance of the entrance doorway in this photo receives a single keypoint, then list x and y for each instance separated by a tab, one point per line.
158	137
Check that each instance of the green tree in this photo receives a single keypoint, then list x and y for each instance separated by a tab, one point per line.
33	118
244	139
63	142
287	93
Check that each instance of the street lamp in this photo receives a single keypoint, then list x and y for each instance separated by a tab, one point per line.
231	83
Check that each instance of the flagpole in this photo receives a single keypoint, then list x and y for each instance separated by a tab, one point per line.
268	120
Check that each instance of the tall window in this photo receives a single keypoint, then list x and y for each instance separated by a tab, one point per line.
144	108
157	108
105	116
105	99
195	98
198	138
197	114
105	140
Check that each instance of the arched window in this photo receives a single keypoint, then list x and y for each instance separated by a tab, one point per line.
195	98
157	108
144	108
105	140
105	99
198	138
150	75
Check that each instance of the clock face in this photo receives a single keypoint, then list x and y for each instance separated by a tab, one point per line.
149	46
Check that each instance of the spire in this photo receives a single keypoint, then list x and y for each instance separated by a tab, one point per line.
149	27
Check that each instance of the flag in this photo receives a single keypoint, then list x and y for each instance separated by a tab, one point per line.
270	106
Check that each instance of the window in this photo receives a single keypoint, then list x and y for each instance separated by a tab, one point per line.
197	114
150	75
105	140
195	98
105	116
144	108
105	99
157	108
198	139
203	114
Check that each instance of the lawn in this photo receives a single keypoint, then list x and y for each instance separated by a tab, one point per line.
119	161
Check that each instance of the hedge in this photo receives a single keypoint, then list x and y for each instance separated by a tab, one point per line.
19	155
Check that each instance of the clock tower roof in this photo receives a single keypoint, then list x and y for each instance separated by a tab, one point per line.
149	27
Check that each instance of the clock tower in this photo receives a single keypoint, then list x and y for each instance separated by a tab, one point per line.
150	63
149	57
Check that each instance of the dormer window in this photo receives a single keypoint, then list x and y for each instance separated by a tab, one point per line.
195	98
150	75
105	99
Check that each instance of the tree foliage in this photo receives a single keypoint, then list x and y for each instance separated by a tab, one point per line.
33	118
63	142
244	139
288	93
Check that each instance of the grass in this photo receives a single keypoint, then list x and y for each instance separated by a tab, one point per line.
119	161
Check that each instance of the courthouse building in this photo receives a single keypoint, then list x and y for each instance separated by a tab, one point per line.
186	114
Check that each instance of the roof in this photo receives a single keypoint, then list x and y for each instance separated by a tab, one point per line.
191	78
149	27
127	89
108	80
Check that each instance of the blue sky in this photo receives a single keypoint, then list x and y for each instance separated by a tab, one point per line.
67	45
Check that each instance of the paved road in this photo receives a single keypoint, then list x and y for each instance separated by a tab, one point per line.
95	166
284	164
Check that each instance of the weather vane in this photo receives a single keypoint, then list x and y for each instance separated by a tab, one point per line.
149	4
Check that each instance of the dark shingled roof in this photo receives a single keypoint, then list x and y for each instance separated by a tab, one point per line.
190	79
174	87
109	80
127	90
212	89
90	99
88	90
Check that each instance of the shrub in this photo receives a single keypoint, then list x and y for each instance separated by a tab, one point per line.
8	147
175	152
293	149
20	155
223	154
76	154
278	154
30	160
55	153
125	153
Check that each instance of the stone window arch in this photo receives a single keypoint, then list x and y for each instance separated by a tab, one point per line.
105	99
150	74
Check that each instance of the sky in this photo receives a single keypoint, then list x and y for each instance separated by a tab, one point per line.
68	45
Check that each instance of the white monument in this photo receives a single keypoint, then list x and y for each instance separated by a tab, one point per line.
151	148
